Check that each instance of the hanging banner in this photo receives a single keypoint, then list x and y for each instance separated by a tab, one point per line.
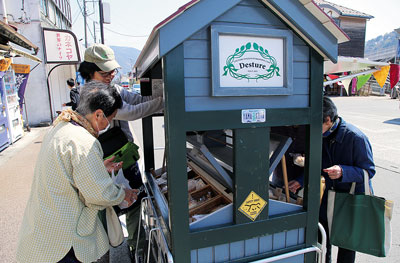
332	77
381	75
21	79
361	80
78	78
60	46
394	74
354	86
346	83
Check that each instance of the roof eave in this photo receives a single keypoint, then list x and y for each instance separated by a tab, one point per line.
13	36
327	21
13	52
357	16
156	29
322	17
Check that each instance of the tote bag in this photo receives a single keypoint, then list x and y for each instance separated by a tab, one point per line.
114	228
360	222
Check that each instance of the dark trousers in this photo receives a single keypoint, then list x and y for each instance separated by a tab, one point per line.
132	216
70	257
343	256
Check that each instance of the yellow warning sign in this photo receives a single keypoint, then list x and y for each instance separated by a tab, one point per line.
252	206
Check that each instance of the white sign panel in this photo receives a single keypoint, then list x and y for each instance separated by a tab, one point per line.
251	61
61	46
106	13
253	116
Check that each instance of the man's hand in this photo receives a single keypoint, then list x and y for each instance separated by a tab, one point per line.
334	172
110	165
294	186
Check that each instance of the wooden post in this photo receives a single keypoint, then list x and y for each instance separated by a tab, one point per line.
285	178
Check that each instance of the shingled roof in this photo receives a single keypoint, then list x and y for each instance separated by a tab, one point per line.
343	11
311	25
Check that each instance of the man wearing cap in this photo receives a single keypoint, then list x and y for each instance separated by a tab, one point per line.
100	65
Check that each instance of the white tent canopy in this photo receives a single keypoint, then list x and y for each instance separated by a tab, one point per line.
357	67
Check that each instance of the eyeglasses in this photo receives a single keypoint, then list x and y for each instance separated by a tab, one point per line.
108	74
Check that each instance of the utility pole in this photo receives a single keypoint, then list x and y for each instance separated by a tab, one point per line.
84	22
94	31
94	24
397	30
101	21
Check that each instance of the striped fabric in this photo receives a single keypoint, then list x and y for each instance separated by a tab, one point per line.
69	164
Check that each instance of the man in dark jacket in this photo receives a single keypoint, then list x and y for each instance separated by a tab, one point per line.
346	153
73	94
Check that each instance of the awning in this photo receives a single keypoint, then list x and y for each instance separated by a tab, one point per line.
9	51
346	64
9	34
356	67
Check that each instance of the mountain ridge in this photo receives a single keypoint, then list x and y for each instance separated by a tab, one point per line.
386	41
126	57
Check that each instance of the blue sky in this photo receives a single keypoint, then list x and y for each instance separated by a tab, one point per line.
133	20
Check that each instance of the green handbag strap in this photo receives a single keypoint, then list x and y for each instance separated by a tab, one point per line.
366	185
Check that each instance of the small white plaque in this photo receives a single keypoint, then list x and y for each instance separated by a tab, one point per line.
253	116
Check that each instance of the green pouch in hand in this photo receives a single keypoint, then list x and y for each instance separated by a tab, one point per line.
128	154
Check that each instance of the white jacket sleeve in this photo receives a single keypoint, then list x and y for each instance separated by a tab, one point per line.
132	97
130	112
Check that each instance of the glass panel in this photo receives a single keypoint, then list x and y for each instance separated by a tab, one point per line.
15	122
43	7
9	77
52	15
59	19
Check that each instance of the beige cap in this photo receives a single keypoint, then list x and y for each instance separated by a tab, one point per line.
102	56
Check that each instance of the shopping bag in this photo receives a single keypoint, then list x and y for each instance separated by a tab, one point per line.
128	154
120	180
114	228
360	222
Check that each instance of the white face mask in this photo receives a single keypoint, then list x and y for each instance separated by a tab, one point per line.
106	128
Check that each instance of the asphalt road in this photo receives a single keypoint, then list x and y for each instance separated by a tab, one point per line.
379	119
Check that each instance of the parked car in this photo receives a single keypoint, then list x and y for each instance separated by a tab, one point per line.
136	88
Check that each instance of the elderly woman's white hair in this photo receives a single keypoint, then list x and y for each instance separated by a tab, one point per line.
96	95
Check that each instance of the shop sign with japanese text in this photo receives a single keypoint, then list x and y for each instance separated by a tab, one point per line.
61	46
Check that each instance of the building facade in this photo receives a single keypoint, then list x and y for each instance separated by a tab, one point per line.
30	17
352	22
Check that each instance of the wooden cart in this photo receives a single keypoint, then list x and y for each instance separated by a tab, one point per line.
243	66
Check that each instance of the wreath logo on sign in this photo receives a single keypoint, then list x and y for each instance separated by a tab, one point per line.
265	57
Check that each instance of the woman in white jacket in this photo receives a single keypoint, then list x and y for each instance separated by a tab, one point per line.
71	185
